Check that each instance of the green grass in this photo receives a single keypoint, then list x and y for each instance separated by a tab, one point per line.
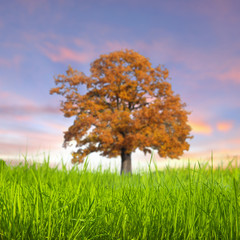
39	202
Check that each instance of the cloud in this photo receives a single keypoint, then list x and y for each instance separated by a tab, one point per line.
201	127
219	11
14	99
65	54
224	126
195	63
15	61
231	75
33	6
24	125
56	126
20	108
22	118
82	50
235	141
167	50
18	141
28	109
216	11
164	49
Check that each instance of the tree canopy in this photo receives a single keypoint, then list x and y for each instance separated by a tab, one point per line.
128	104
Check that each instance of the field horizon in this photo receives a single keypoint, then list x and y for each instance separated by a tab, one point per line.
143	165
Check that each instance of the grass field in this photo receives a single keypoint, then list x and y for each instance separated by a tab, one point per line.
39	202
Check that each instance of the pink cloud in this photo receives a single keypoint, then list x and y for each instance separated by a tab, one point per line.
19	108
202	65
231	75
15	141
216	11
15	61
224	126
14	98
33	6
224	11
223	7
24	118
59	127
235	141
201	127
28	109
167	49
64	54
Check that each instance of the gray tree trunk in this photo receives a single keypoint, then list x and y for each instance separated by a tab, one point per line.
126	166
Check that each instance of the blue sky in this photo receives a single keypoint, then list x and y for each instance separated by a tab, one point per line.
198	41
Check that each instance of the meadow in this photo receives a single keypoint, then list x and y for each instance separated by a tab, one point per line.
40	202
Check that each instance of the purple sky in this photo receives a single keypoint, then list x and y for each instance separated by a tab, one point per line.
198	41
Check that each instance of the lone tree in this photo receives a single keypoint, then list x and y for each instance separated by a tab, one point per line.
128	105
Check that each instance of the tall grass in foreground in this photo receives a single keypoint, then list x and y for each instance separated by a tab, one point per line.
39	202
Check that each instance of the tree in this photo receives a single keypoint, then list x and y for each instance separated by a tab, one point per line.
128	105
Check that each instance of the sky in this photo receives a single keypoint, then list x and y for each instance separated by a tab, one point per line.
197	41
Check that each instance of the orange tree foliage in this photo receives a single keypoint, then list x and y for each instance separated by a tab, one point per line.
128	105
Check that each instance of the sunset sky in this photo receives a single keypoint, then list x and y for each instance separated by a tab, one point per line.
198	41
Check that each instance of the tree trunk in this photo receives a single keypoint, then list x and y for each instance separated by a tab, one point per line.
126	162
